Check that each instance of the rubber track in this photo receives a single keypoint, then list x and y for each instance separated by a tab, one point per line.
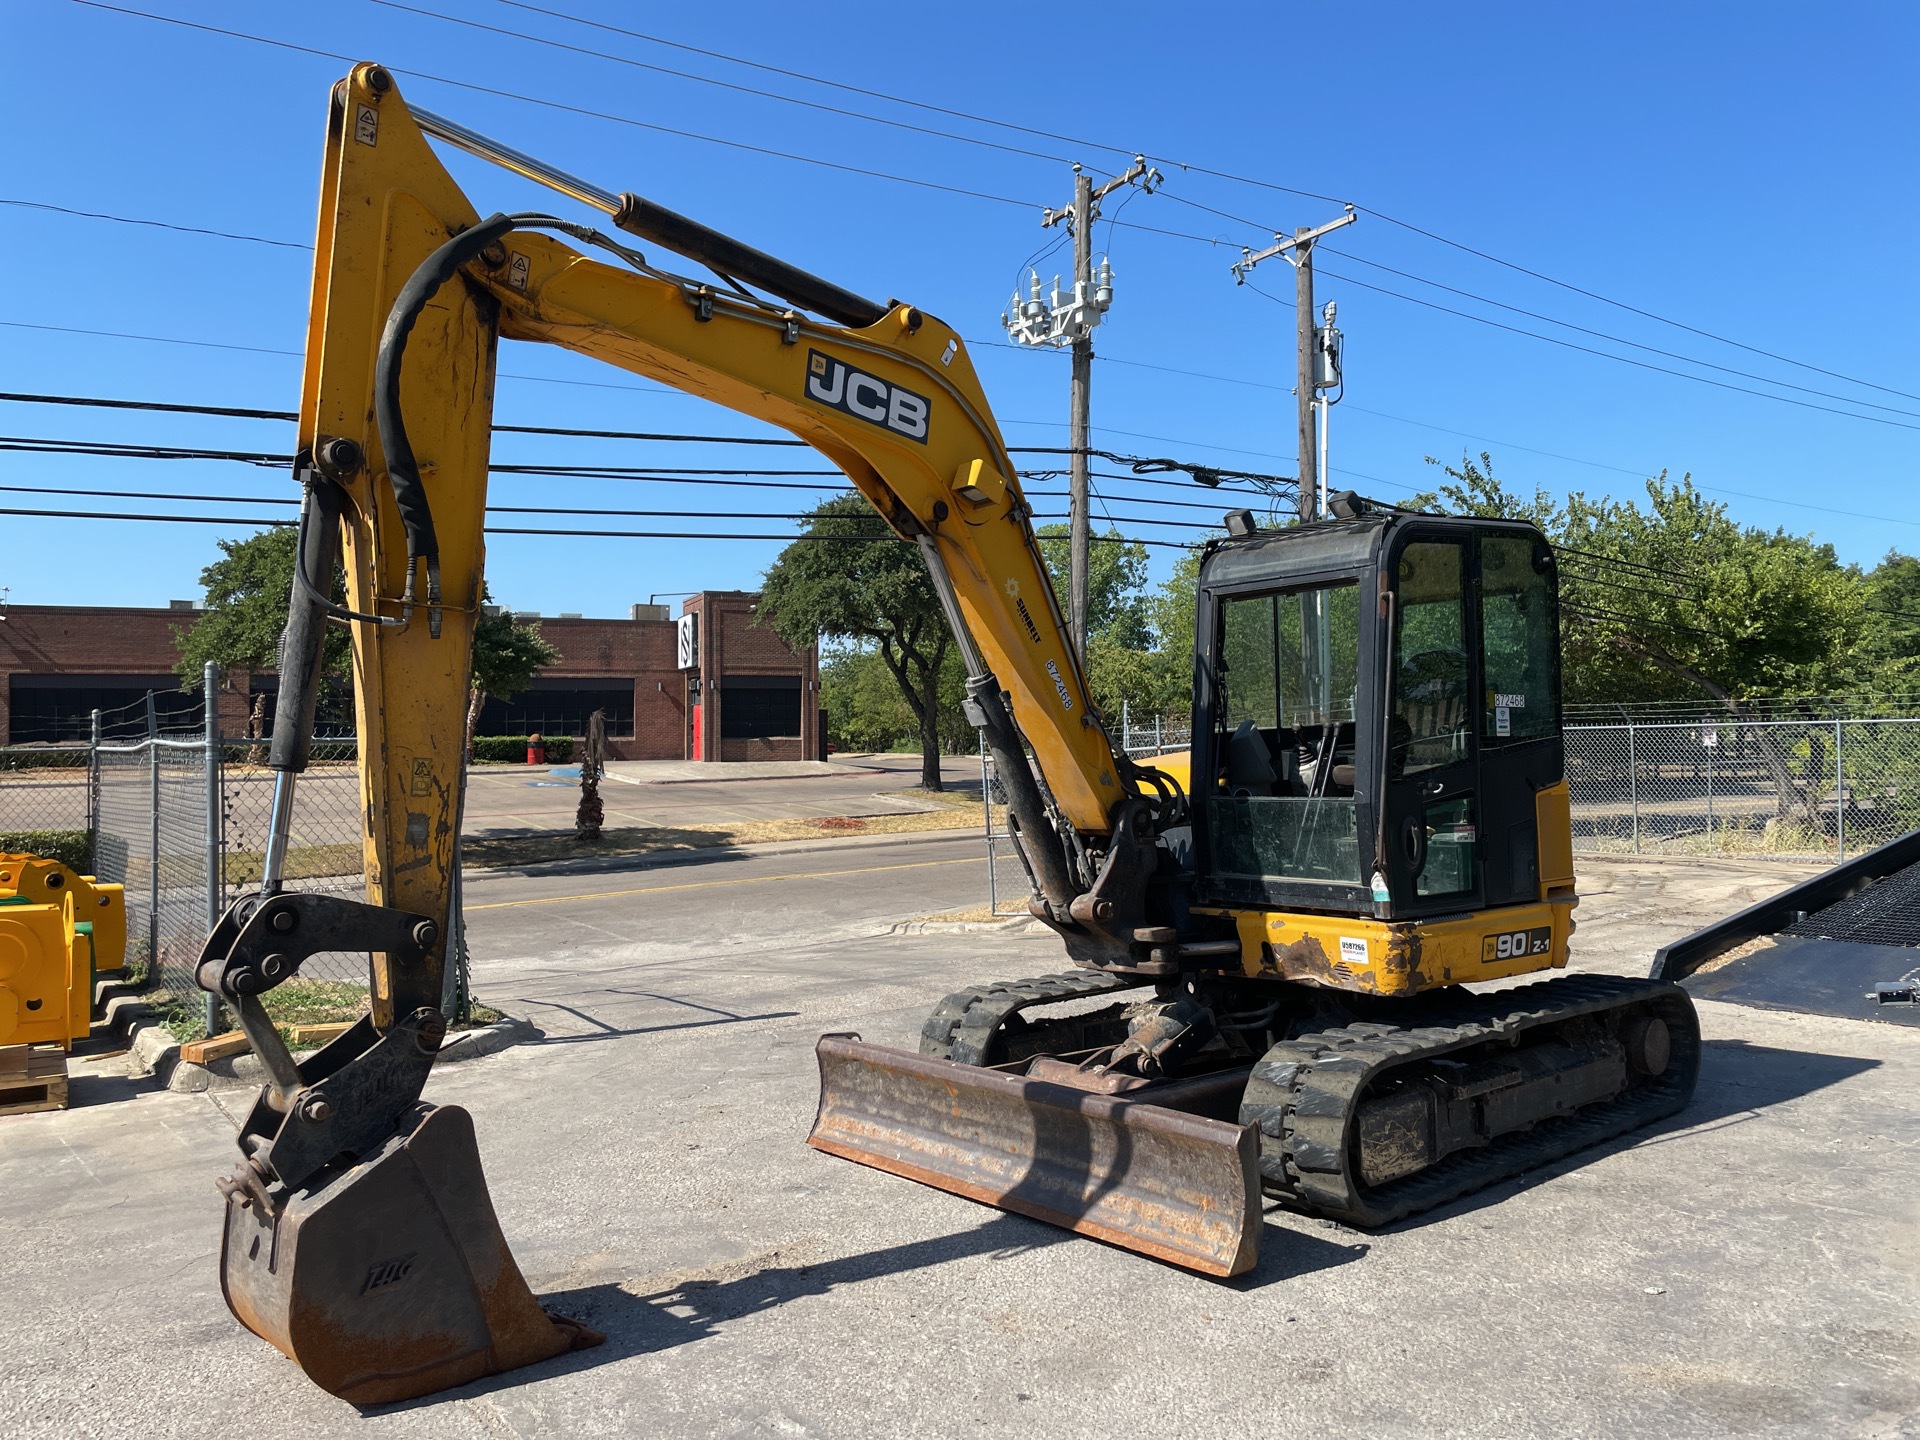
963	1025
1303	1095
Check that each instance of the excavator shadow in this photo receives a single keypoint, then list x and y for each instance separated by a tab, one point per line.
1738	1081
689	1309
599	1029
692	1307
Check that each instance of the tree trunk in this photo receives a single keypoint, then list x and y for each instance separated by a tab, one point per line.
930	732
1791	798
476	701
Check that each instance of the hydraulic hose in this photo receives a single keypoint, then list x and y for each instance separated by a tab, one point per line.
403	471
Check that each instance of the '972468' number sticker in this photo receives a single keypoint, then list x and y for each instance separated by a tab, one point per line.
1513	944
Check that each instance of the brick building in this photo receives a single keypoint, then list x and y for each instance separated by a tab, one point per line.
743	695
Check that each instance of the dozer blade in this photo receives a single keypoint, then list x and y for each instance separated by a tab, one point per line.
1171	1185
390	1280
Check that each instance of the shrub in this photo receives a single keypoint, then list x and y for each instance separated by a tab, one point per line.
72	848
51	758
512	749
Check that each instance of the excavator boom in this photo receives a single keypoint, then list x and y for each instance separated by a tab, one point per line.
360	1238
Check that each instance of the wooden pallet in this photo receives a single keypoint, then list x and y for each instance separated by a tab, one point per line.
32	1077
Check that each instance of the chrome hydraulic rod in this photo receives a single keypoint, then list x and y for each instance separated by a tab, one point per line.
639	216
279	827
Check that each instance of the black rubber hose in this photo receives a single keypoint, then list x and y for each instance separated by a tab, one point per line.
303	642
403	471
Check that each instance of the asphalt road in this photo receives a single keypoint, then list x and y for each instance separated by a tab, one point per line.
1752	1267
506	801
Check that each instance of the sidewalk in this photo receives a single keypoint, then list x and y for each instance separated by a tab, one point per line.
685	772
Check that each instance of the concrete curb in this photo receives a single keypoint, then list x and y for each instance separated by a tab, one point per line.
1005	925
247	1072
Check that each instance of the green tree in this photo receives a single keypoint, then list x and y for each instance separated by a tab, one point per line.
1116	582
1671	598
852	582
247	590
1473	489
507	654
1890	642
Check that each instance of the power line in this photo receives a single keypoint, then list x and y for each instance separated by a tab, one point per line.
570	109
1618	339
527	509
1190	168
1634	309
1164	369
982	195
1149	463
722	84
155	224
239	521
1603	354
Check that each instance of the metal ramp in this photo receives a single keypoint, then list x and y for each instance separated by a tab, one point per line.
1845	943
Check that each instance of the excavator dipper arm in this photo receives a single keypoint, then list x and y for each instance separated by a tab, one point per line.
360	1237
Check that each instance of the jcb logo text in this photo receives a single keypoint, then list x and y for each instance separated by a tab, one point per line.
844	388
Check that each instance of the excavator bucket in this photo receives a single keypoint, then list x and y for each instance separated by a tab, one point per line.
1178	1187
391	1279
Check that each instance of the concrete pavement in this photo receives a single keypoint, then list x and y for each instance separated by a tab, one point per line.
1751	1268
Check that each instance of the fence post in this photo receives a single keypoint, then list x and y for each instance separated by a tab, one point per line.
93	790
1710	749
1839	794
1126	727
209	678
153	840
1158	743
986	809
1633	787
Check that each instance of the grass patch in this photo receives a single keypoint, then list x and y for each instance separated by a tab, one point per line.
297	1002
307	862
500	851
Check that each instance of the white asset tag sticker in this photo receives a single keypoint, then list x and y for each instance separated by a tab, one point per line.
1502	721
1352	951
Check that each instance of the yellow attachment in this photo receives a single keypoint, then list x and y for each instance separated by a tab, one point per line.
99	903
46	972
1403	957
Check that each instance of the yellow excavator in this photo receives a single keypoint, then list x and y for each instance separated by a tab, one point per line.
1269	941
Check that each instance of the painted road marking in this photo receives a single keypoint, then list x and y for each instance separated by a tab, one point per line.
710	884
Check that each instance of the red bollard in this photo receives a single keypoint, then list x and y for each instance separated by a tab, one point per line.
536	750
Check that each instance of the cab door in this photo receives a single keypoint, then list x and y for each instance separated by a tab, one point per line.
1431	826
1521	750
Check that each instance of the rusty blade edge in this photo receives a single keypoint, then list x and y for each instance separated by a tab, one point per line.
1185	1130
1246	1254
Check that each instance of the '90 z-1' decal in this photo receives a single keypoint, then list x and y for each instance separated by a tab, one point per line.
832	382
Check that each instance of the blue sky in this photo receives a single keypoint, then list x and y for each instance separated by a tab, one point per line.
1745	169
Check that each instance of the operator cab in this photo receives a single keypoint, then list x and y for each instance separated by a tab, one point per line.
1377	703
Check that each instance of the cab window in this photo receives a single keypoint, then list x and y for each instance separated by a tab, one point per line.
1432	707
1289	666
1517	640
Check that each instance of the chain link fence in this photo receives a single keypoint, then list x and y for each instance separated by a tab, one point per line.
151	835
43	789
1793	789
1820	789
1008	884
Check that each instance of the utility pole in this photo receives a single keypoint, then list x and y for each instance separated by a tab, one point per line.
1070	321
1299	250
1079	403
